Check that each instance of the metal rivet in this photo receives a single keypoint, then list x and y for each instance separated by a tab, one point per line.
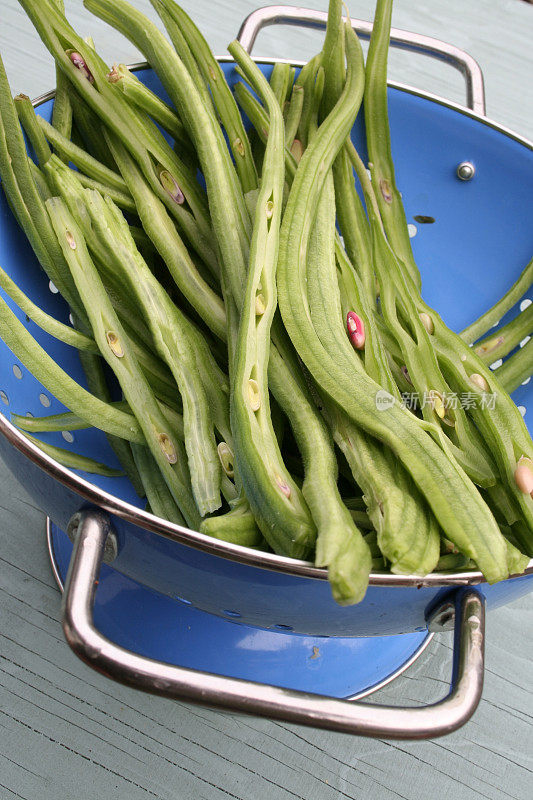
110	548
111	542
466	171
72	527
443	619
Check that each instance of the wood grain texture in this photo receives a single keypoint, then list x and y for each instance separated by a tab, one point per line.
66	732
496	32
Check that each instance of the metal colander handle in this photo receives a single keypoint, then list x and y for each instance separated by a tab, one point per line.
93	531
405	40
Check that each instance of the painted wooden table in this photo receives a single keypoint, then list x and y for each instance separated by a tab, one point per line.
66	732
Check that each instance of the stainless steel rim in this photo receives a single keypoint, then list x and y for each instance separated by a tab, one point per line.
359	696
199	541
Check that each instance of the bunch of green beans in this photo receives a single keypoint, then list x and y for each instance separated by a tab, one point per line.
252	422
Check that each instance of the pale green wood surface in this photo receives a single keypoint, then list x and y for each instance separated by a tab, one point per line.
66	733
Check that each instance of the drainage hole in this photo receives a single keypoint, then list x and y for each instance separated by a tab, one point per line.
229	613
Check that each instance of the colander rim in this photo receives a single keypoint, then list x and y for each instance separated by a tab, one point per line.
244	555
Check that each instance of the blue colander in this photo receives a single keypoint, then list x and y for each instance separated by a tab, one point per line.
187	616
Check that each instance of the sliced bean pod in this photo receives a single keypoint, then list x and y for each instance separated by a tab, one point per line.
496	416
116	349
294	114
123	200
405	320
280	82
237	526
306	79
61	385
97	384
174	345
407	531
159	227
229	215
156	158
62	110
162	504
28	120
500	344
142	97
275	499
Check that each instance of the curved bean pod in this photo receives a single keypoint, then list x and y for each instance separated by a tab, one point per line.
407	531
158	225
378	140
500	344
504	304
75	461
453	498
274	498
214	77
226	202
47	323
61	385
140	135
516	369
